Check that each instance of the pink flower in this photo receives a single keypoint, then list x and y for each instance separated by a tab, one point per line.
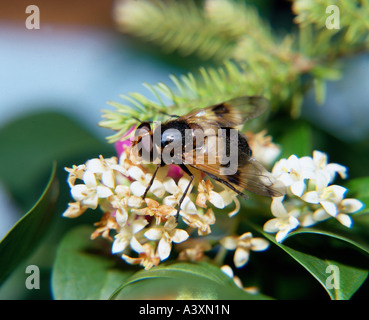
122	144
174	172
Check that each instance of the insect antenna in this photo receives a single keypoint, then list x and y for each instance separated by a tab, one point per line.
148	121
169	115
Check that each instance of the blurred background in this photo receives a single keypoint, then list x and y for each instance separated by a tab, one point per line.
55	80
73	64
62	74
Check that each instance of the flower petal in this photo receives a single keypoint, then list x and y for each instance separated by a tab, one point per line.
136	246
121	216
259	244
241	257
170	201
330	207
311	197
216	200
298	188
89	179
103	192
277	207
164	248
108	178
229	243
79	192
95	166
119	244
334	193
281	235
350	205
179	236
183	183
137	188
227	270
345	220
271	225
320	215
170	186
201	200
136	173
153	233
91	201
134	202
188	206
157	189
139	224
334	168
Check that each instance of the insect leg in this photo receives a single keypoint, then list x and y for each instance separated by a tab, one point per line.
185	169
228	185
151	181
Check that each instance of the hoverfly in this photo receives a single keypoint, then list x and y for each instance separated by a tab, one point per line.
210	152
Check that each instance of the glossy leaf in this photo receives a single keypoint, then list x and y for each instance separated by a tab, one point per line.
351	236
194	280
26	234
81	271
30	144
349	278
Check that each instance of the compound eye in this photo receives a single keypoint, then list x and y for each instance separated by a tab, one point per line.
143	136
142	129
171	135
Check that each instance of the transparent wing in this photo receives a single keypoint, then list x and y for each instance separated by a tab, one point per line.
230	113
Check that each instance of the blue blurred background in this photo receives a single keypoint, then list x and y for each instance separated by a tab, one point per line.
74	63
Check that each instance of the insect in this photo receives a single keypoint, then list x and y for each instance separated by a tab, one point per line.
191	146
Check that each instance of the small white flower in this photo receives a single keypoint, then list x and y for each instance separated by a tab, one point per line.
228	197
139	186
201	222
242	246
102	167
74	210
327	197
76	172
263	149
334	205
147	257
176	194
206	193
90	192
166	235
284	222
121	201
293	172
327	171
126	235
154	209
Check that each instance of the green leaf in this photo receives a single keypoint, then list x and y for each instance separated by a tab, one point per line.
30	144
26	234
352	236
349	278
194	281
297	140
359	187
81	271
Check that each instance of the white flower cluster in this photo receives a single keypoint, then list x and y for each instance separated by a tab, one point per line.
311	196
145	227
